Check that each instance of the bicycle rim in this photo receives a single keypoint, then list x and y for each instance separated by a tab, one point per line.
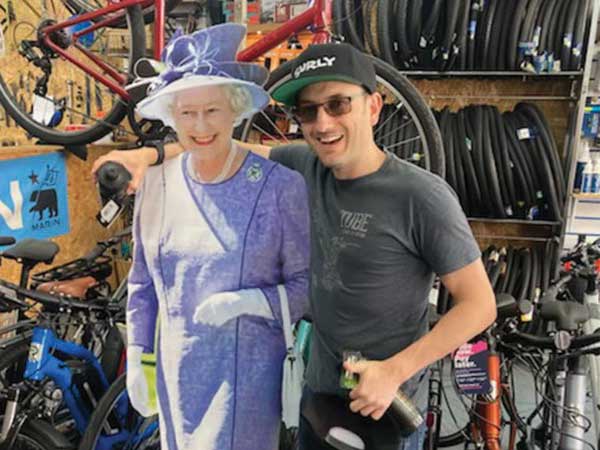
406	125
74	109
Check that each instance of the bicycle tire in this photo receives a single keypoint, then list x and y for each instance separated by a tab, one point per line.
498	32
567	37
461	40
404	51
539	24
487	59
386	33
523	199
338	24
545	26
578	50
540	122
38	435
414	24
448	148
12	364
472	185
397	84
445	47
479	37
527	29
561	22
428	30
519	162
83	6
354	22
525	274
513	41
505	161
104	418
517	123
490	166
461	187
530	153
370	17
509	266
474	132
472	34
501	160
96	130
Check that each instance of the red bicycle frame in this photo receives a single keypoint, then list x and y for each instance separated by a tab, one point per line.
318	15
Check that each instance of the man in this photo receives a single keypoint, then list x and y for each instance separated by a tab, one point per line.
381	228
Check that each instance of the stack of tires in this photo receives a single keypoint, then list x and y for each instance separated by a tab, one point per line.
466	35
503	165
525	273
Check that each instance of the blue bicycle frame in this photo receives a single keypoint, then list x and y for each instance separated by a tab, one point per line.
41	364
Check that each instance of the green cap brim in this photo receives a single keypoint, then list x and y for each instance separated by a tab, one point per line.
287	92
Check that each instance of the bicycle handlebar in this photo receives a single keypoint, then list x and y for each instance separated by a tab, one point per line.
102	246
6	240
548	342
9	293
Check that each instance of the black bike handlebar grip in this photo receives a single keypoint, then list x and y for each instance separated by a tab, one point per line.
529	339
95	253
6	240
405	413
113	178
568	315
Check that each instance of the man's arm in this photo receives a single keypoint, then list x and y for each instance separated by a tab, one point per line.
474	310
138	161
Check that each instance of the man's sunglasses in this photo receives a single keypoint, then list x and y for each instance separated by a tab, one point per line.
336	106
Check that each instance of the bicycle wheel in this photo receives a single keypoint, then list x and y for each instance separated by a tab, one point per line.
52	98
38	435
115	424
83	6
408	111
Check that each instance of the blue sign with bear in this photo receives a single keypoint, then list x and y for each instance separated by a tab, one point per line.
33	197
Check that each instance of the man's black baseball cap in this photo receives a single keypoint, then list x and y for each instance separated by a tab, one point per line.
327	62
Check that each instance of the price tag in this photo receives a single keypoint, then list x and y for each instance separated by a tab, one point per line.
471	368
523	133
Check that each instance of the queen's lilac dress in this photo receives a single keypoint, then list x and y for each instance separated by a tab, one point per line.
219	387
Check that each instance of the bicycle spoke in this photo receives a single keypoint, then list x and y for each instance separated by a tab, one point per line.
380	125
406	141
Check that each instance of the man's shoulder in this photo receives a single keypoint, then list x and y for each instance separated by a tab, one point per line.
413	179
294	156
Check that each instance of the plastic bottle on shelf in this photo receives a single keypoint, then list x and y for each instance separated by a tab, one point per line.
582	158
586	179
595	187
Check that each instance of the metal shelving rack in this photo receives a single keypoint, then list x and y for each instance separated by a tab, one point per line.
584	94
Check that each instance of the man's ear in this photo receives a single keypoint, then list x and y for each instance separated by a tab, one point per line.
375	107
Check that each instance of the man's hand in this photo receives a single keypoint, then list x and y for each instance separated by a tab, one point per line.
378	384
135	161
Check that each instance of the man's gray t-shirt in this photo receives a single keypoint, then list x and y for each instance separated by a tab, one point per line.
376	243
